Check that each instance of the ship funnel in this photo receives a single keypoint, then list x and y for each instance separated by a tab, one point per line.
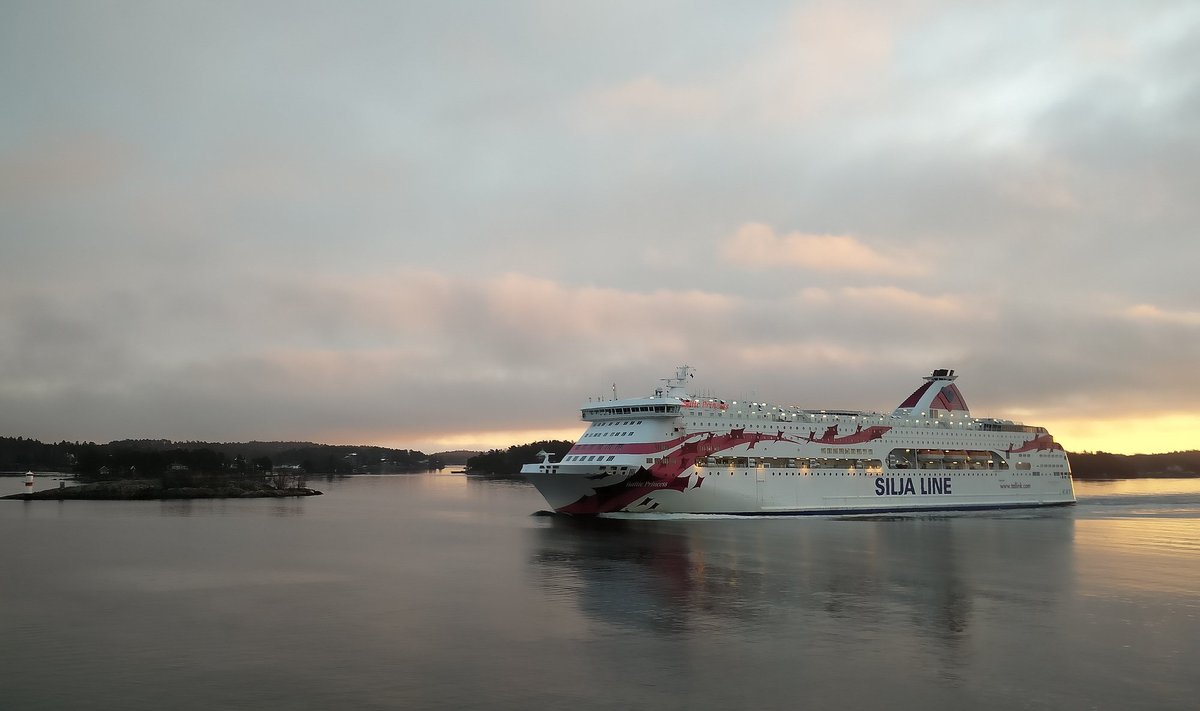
938	397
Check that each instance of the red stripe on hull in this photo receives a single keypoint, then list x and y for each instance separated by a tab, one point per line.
667	472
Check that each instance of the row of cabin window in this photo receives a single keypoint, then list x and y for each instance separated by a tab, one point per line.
815	463
790	463
633	410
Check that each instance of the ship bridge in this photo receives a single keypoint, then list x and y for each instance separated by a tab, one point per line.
667	401
634	407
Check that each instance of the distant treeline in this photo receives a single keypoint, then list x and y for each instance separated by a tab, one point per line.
152	458
1103	465
508	462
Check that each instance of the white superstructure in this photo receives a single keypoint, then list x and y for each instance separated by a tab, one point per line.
672	452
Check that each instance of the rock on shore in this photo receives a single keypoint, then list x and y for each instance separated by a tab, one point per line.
151	489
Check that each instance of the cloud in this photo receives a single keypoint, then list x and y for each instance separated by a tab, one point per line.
423	351
892	302
811	64
895	299
423	359
826	58
645	100
815	353
49	165
1149	313
757	246
404	221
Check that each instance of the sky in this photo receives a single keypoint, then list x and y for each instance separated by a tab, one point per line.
444	225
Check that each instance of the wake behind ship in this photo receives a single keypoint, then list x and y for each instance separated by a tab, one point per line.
672	452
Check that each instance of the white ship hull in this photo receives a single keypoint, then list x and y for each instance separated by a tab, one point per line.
742	491
674	454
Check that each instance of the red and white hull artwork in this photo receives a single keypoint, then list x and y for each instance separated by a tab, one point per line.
672	452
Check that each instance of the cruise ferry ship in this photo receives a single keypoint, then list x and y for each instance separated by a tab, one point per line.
674	452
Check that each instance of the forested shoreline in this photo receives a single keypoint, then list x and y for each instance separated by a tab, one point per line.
133	459
127	459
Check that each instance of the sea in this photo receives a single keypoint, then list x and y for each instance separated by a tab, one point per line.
443	591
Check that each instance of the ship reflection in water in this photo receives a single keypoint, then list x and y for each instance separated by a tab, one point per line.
949	609
703	575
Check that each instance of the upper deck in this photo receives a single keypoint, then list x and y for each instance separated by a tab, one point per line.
937	405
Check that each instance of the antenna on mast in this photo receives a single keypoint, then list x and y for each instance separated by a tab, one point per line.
677	386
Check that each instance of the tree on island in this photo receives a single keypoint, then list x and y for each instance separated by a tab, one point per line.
508	462
187	461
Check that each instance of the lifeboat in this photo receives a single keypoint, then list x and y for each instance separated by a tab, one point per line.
929	459
979	460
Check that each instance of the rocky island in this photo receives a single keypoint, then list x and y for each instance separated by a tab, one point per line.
149	489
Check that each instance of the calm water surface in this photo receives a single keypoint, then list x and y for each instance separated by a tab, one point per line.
442	592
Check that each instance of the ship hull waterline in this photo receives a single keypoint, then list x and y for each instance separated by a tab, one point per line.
584	495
